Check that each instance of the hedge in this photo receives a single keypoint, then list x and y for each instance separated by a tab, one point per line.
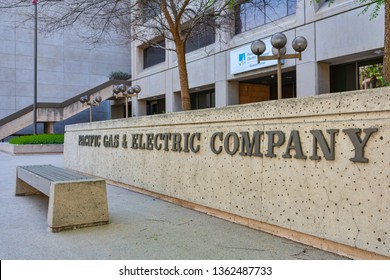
38	139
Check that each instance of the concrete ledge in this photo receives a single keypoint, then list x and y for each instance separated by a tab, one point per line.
32	149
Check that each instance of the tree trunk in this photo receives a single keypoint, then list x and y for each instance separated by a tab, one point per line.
183	76
386	58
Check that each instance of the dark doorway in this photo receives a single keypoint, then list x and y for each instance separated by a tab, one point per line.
155	106
268	90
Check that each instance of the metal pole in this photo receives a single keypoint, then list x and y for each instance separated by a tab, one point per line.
278	41
279	74
127	107
90	113
35	68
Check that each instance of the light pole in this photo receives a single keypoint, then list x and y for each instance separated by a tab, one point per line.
278	42
35	3
126	92
35	102
86	101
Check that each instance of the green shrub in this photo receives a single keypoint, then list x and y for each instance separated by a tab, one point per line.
119	76
38	139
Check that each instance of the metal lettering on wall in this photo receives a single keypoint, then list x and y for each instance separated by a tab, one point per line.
289	145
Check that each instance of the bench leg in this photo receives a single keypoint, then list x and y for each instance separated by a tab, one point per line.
22	188
77	204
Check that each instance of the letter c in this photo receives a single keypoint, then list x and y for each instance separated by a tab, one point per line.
212	142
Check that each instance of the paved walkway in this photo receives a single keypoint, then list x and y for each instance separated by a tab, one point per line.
140	227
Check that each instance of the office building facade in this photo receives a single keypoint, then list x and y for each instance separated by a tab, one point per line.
342	44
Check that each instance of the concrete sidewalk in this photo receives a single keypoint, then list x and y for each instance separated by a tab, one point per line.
140	227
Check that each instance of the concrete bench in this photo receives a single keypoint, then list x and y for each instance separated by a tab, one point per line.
75	200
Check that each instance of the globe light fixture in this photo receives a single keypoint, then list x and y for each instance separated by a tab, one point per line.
278	42
258	47
86	101
122	91
299	44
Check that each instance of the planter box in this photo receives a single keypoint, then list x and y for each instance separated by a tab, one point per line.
32	149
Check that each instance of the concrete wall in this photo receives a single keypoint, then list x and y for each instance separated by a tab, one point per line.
316	166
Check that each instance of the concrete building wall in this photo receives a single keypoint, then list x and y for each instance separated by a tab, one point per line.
67	64
336	34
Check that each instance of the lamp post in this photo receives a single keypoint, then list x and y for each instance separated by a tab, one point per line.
126	92
86	101
278	42
35	102
35	3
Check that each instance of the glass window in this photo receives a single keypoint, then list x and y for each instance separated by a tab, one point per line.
154	54
371	75
356	75
251	14
291	7
149	9
276	11
154	107
343	77
201	36
203	99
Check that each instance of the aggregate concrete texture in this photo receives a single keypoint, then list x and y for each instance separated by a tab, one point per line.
140	227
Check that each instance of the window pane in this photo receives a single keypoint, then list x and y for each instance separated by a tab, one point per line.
254	13
371	76
203	99
149	9
251	14
292	7
343	77
239	23
194	101
276	9
202	35
155	107
154	55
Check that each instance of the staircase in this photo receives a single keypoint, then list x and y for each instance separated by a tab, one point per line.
53	112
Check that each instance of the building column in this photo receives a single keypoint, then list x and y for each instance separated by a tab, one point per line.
323	77
48	127
306	68
312	78
138	107
306	79
172	99
173	102
226	93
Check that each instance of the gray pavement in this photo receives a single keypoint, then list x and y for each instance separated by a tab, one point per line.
140	227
